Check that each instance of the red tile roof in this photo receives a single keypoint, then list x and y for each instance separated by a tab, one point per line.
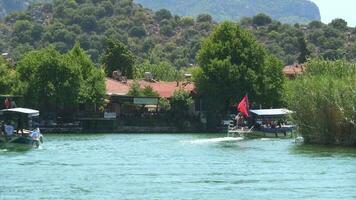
164	89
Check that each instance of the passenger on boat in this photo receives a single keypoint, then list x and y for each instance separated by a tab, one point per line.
35	134
239	120
9	130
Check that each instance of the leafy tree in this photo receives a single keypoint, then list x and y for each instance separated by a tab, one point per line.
204	18
163	71
51	81
339	24
92	90
164	105
148	91
304	51
135	89
163	14
137	31
261	19
180	103
9	83
118	57
233	64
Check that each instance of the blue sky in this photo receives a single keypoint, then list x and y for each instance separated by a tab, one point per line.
331	9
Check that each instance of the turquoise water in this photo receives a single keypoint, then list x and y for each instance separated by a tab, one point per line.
175	167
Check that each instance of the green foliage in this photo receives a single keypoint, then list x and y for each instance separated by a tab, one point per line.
54	82
261	20
233	64
118	57
180	103
92	23
304	51
92	90
9	83
160	36
324	102
162	71
51	81
164	105
339	24
148	91
137	91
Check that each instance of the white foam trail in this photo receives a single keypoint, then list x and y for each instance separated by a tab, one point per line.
266	139
216	140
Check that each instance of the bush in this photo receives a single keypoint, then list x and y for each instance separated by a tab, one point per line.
324	102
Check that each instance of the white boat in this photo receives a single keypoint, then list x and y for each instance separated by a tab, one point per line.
15	132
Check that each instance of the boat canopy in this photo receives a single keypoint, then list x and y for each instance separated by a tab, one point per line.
271	112
27	111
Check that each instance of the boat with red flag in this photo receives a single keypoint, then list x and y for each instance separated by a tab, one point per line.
270	123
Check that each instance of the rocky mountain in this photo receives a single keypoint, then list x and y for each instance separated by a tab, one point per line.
287	11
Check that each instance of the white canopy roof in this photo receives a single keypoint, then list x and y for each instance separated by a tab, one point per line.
29	112
271	112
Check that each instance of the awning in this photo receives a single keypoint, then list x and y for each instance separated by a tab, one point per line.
271	112
27	111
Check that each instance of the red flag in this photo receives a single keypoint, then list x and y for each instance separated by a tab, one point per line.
243	106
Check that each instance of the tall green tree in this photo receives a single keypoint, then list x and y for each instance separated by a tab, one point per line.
92	90
118	57
51	81
54	82
303	49
233	64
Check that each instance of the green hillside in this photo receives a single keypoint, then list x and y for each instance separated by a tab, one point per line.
158	37
288	11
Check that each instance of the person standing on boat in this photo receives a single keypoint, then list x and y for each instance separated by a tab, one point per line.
239	120
7	103
9	131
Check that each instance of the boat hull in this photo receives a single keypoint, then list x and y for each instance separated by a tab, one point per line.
17	141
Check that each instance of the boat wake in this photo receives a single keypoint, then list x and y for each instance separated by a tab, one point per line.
215	140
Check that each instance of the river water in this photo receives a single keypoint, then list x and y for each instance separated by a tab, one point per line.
178	166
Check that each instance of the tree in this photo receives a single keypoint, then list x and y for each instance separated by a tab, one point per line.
92	90
163	71
52	83
148	91
135	90
118	57
339	24
233	64
180	103
303	49
163	14
9	83
204	18
261	19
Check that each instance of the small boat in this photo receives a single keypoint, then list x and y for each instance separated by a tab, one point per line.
18	128
266	123
271	123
